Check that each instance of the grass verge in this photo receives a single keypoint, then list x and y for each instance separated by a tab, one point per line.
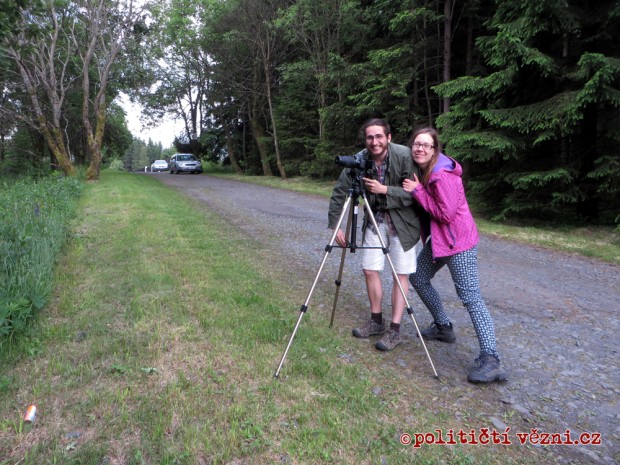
160	347
33	230
598	242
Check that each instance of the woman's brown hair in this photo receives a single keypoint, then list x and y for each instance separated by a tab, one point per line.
426	174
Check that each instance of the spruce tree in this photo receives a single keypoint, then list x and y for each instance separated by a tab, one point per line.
541	124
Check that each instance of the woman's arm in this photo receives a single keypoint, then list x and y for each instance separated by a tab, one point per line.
441	198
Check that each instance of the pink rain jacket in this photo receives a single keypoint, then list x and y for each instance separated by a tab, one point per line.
452	228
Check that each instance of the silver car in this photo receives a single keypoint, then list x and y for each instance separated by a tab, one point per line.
159	165
185	162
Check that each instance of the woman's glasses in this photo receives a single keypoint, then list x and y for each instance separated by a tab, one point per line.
424	146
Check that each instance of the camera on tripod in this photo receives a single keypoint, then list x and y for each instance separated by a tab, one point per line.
356	162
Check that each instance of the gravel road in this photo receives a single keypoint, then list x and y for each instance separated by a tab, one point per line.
556	315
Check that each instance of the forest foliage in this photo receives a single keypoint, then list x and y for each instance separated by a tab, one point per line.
526	94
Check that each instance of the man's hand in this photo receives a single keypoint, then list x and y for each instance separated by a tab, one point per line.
374	186
341	240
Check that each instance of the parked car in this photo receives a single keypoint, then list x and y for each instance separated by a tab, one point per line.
159	165
184	162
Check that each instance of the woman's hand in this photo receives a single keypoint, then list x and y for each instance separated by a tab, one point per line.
374	186
410	185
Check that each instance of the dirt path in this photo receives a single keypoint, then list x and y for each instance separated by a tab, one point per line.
556	315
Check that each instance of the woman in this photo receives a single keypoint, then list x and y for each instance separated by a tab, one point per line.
453	242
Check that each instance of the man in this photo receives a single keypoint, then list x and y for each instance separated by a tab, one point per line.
398	222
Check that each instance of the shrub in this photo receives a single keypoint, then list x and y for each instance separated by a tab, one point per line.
116	165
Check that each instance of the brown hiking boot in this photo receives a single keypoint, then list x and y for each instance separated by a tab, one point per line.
389	341
370	329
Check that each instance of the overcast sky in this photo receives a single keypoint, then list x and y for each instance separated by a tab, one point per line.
163	133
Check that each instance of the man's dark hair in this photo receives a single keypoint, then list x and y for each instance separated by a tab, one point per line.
375	122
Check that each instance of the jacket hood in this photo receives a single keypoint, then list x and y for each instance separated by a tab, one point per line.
446	163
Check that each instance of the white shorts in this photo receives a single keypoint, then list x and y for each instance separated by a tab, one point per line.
374	259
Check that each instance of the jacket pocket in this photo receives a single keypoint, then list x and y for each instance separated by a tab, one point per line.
452	239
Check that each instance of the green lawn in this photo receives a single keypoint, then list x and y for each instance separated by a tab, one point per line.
160	346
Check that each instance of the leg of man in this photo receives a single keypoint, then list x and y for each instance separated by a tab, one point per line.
372	264
404	263
398	301
374	288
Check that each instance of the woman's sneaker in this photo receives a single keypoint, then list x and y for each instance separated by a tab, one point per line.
487	370
439	332
370	329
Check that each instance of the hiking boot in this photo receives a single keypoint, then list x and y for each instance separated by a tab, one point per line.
487	370
439	332
370	329
389	341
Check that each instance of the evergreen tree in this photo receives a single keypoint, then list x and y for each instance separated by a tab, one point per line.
541	125
153	151
316	118
136	158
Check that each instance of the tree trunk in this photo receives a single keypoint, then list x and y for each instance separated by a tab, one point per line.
322	105
469	51
276	145
54	140
48	124
232	154
94	142
447	48
427	96
259	136
588	207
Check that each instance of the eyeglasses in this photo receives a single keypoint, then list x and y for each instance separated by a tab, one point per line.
424	146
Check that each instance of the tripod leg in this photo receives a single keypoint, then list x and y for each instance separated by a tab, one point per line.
304	307
396	280
339	278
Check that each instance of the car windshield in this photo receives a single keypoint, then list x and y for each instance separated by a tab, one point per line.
185	157
160	162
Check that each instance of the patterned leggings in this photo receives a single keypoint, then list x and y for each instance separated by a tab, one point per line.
464	270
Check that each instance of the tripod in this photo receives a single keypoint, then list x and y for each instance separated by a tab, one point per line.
352	200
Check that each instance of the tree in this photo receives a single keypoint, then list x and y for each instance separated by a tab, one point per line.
539	127
7	121
64	49
135	157
239	77
318	28
10	15
316	115
261	32
108	23
117	138
41	54
180	67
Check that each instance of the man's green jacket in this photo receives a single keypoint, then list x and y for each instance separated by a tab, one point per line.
402	208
